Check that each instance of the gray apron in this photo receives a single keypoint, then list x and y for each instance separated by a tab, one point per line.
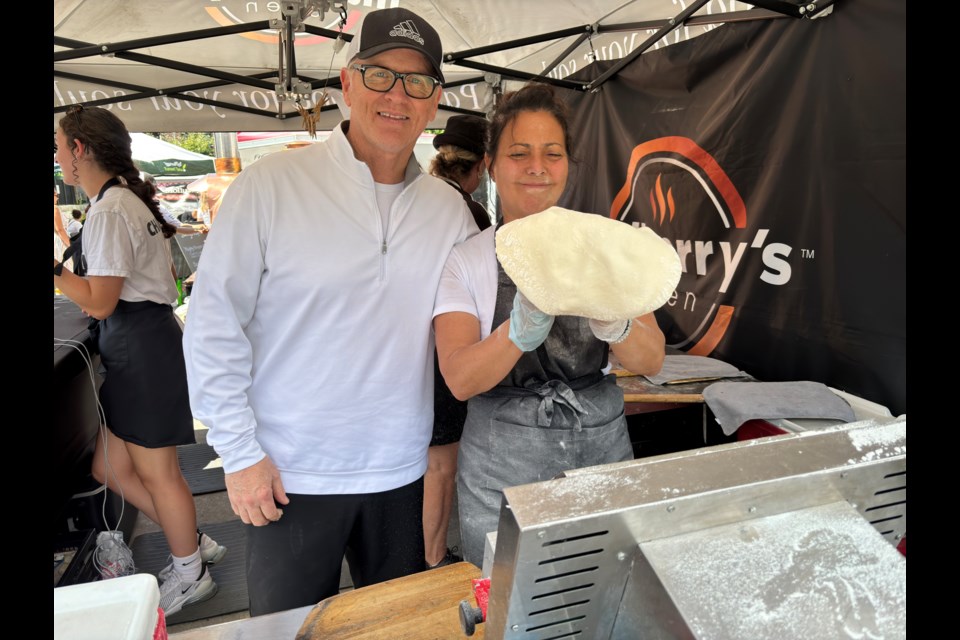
553	412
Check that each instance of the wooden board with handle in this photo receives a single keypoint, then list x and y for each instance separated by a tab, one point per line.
421	606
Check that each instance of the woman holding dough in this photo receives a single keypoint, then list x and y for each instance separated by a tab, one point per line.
538	402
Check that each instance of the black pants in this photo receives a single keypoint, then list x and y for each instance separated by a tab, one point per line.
296	561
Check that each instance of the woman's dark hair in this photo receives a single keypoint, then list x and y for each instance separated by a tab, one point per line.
535	96
108	141
77	214
453	162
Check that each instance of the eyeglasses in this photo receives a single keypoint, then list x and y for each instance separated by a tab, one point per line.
416	85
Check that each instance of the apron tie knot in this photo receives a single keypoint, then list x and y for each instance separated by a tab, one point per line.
558	392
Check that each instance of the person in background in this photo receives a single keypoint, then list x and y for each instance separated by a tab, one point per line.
181	228
61	239
538	401
75	225
459	163
129	288
459	160
309	355
74	252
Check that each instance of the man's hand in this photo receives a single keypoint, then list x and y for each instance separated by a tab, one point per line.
252	492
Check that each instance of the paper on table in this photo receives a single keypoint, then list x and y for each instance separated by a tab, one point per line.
680	369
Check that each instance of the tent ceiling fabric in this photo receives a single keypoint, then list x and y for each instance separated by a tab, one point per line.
462	25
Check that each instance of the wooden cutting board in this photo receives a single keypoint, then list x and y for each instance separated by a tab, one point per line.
422	606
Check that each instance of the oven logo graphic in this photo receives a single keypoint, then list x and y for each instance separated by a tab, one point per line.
228	13
671	185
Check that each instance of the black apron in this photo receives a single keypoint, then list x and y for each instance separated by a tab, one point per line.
555	411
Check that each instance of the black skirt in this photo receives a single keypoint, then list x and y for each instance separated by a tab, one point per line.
449	414
144	393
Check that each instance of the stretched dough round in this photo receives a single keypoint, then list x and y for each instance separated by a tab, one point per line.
579	264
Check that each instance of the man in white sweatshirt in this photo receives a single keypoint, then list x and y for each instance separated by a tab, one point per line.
308	344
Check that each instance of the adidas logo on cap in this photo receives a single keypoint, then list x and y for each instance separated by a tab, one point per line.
407	29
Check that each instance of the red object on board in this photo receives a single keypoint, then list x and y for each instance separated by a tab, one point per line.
481	591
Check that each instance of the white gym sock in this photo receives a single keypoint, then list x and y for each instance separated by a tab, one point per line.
188	567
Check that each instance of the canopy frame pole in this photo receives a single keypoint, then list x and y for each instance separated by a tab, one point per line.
748	15
190	68
116	47
469	112
560	58
329	33
465	81
456	56
147	92
523	75
770	9
672	24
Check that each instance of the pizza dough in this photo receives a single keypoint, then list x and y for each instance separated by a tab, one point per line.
579	264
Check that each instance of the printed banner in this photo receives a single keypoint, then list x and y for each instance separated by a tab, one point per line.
772	156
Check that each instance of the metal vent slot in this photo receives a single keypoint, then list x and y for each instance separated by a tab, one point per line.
564	575
575	538
874	522
889	490
898	473
559	608
565	635
562	591
884	506
555	623
571	557
560	597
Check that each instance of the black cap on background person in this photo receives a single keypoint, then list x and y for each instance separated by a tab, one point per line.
396	28
467	132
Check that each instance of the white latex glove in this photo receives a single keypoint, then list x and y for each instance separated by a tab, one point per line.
612	331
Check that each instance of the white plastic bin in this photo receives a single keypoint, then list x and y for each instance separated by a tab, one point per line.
116	609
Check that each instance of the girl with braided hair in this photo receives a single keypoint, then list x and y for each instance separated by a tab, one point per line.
129	287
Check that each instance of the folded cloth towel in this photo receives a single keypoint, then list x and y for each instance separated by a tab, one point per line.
678	368
733	403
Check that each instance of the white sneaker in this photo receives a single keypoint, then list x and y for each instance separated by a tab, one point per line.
176	593
210	552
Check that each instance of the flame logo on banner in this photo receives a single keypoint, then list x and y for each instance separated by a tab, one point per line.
718	189
661	203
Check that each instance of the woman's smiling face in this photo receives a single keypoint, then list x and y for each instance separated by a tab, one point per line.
531	164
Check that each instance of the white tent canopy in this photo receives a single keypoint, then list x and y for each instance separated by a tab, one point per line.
152	149
189	65
162	158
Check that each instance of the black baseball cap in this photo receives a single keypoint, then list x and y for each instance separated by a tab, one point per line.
396	28
467	132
